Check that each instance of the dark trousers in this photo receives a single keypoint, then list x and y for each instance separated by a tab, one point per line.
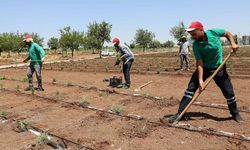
38	70
221	79
126	71
183	58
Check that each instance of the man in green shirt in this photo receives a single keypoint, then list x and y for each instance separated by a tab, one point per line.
36	55
208	53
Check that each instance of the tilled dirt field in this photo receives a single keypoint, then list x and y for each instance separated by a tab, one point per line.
57	111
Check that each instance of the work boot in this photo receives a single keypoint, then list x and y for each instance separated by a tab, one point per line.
236	117
126	86
40	89
172	118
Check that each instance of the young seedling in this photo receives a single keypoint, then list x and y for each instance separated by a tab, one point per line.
69	84
32	90
118	109
1	86
3	114
23	125
158	69
53	81
18	88
103	94
146	94
84	102
25	79
3	78
43	139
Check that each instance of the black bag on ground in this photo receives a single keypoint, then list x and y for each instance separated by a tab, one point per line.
115	81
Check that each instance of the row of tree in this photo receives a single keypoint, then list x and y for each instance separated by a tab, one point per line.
95	37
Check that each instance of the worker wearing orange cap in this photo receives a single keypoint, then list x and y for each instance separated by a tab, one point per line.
36	55
208	53
127	57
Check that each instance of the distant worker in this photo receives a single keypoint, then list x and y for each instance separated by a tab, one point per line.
127	57
36	55
184	50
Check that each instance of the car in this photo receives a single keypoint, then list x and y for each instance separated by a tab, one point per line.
107	53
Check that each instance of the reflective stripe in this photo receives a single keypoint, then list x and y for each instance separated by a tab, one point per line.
231	99
188	96
231	102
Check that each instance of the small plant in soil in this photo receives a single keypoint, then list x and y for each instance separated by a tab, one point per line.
84	102
25	79
32	90
118	109
3	114
53	81
69	84
18	88
158	69
1	86
23	125
103	94
146	94
43	139
3	78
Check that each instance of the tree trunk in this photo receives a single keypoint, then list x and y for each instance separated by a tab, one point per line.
72	50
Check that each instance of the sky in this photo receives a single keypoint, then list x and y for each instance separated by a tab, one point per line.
46	17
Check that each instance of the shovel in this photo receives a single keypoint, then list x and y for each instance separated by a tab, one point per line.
142	86
205	84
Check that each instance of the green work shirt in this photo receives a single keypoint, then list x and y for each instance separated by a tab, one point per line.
210	52
36	53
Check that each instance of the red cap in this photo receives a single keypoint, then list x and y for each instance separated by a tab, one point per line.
115	40
27	38
194	25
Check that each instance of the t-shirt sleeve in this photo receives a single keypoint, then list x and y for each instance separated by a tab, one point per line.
41	51
219	32
197	54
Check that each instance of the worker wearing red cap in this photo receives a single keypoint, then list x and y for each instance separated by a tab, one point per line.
208	53
127	57
36	55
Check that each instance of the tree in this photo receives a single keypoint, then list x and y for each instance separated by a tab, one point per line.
178	31
144	38
168	44
97	34
155	44
70	39
53	43
10	42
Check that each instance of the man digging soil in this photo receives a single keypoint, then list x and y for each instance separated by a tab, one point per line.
36	55
208	53
127	57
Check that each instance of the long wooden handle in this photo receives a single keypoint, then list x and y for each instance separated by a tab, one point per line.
197	93
145	84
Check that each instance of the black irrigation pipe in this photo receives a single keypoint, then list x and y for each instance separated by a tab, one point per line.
54	145
188	127
201	104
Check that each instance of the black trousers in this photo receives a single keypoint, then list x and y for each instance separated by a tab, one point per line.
126	71
221	79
